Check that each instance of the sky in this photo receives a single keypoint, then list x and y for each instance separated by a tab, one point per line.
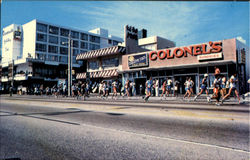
185	23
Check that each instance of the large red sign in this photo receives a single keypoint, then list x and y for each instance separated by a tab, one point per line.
195	50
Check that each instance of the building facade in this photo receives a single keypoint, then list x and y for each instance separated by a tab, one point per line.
230	56
39	51
106	64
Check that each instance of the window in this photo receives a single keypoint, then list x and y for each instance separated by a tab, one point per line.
84	45
53	39
112	62
52	58
84	36
94	39
40	56
202	70
115	43
41	47
53	30
74	34
94	46
41	37
75	52
41	27
110	41
83	51
75	44
63	50
63	59
64	32
64	41
93	65
53	49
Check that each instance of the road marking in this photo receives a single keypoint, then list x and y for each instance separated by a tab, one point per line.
170	139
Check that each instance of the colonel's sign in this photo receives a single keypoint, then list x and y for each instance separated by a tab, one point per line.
180	52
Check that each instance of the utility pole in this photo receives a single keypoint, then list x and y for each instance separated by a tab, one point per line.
70	43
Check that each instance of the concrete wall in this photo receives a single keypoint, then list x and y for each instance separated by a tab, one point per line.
29	39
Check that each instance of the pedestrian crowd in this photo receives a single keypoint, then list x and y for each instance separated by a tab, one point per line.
222	88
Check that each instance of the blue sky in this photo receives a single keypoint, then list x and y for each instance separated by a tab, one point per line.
185	23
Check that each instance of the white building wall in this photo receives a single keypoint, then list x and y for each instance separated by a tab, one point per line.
11	48
29	39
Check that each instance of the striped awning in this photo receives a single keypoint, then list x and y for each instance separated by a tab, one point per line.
98	74
101	52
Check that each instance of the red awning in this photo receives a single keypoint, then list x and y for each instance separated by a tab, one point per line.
101	52
98	74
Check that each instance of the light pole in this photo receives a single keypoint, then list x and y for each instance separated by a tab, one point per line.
70	43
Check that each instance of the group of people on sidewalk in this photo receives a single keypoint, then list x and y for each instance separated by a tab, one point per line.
220	86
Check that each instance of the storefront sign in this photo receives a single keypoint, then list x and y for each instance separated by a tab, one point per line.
138	60
195	50
209	56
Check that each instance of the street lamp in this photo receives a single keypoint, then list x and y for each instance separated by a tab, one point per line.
70	43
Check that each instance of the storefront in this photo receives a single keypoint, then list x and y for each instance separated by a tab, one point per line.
230	56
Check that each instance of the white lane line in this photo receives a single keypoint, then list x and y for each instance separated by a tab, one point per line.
171	139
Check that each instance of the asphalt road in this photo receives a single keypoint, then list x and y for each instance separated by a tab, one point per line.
39	129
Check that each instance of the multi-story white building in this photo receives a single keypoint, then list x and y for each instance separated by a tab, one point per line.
40	50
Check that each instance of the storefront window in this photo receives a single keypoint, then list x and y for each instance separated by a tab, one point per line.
93	65
202	70
211	69
162	73
112	62
231	69
53	30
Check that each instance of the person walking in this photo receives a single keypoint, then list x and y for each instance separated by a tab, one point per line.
169	86
216	90
233	81
148	89
203	88
187	85
114	85
163	88
127	88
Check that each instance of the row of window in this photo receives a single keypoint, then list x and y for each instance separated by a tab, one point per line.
63	59
64	42
63	50
106	63
65	32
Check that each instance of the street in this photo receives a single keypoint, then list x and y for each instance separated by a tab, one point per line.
38	128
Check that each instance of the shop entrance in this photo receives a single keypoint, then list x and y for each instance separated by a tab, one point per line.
182	80
138	82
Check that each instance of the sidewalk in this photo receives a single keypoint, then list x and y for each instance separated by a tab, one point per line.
94	97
